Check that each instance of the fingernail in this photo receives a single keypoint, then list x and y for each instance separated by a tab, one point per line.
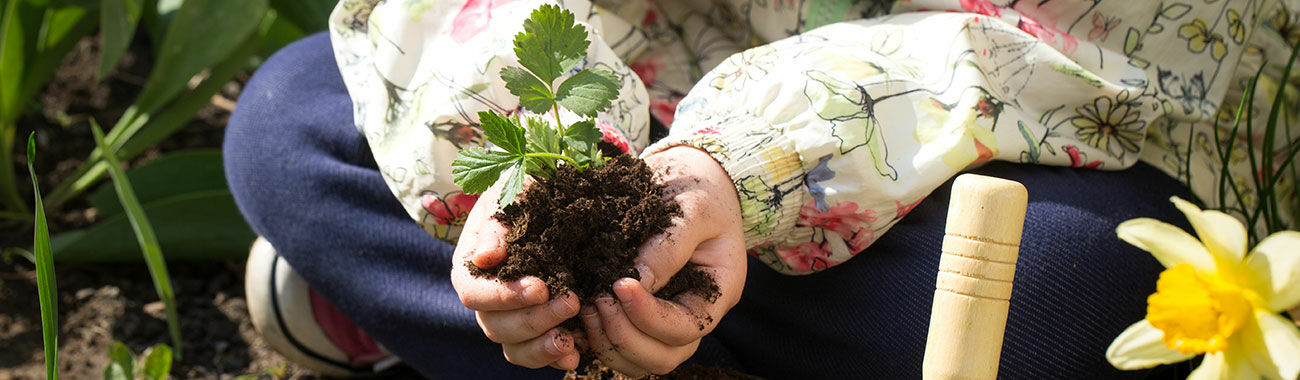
588	311
556	345
606	304
535	293
647	277
564	307
621	287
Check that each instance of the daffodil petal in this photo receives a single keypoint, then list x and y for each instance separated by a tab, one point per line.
1140	347
1221	233
1272	346
1276	263
1170	245
1223	365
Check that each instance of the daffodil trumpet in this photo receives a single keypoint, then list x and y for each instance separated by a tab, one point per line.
1215	300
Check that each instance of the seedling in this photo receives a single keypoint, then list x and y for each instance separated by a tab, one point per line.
550	46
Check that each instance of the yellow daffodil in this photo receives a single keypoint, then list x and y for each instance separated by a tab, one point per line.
1215	300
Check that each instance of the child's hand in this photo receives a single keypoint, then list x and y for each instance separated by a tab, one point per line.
636	333
519	315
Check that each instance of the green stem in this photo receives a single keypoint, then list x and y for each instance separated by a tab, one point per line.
8	180
554	156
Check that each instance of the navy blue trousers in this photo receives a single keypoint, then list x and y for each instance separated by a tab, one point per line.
305	179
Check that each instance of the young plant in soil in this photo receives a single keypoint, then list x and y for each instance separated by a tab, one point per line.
578	227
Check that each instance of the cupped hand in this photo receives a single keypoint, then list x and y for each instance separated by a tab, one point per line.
636	333
520	315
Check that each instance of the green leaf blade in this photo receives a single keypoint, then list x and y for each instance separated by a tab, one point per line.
503	132
144	235
200	35
534	95
158	362
121	362
117	19
588	92
551	43
45	282
476	169
514	184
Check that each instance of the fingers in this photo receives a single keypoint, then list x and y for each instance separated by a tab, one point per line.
666	321
489	244
555	346
628	349
483	294
516	326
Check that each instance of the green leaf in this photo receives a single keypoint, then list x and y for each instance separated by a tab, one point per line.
18	28
588	92
220	234
117	20
503	132
200	34
121	363
514	184
175	174
158	362
551	43
309	15
277	32
144	234
583	132
45	282
534	95
542	137
476	169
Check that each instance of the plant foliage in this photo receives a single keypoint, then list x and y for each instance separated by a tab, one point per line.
550	46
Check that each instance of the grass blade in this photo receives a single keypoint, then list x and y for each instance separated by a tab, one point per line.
144	235
45	284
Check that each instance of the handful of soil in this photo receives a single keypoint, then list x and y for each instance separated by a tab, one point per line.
579	231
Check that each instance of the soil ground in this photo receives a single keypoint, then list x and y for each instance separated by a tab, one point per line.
102	303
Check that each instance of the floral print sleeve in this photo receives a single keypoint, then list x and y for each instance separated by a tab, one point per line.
835	118
832	135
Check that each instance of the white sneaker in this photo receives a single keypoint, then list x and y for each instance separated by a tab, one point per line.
302	325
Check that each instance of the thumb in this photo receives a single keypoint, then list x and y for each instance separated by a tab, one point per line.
665	254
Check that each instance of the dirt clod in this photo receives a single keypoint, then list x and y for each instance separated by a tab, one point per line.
580	231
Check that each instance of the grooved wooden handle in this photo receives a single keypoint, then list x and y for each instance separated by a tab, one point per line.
980	245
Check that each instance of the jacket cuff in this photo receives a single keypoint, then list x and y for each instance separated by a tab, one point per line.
765	167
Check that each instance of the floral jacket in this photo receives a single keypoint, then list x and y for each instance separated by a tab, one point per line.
834	118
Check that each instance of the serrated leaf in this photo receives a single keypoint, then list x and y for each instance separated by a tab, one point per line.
503	132
533	95
476	169
584	131
588	92
551	43
514	184
542	137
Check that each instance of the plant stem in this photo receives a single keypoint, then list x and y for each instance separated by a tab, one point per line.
554	156
8	181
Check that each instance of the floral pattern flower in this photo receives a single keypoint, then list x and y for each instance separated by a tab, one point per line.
1112	125
612	136
1198	35
474	18
1236	28
844	219
983	7
451	211
1215	300
807	257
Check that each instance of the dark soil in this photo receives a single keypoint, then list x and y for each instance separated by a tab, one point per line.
99	304
579	231
597	371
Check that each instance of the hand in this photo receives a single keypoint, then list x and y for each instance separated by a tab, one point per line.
635	333
520	315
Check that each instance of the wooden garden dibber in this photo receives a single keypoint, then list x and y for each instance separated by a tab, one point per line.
980	246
